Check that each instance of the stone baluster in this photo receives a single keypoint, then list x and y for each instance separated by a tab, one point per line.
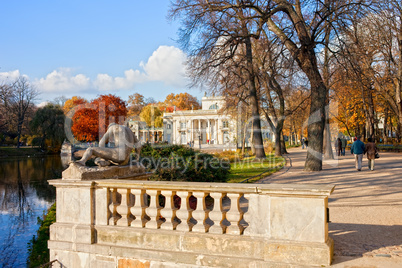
216	214
124	208
183	213
153	211
113	203
244	216
138	210
168	212
233	215
199	213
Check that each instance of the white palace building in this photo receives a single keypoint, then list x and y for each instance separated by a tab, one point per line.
206	126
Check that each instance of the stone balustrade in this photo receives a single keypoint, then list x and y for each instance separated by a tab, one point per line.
128	223
193	210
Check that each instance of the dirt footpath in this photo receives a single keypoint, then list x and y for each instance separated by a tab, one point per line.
365	208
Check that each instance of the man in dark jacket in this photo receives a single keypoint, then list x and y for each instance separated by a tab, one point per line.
357	150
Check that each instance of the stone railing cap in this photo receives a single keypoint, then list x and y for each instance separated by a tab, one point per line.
301	189
249	188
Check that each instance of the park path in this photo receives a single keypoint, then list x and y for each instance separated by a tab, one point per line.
365	207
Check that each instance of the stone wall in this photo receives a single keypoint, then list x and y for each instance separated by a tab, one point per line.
127	223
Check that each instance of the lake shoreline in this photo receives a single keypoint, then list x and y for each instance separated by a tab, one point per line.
23	152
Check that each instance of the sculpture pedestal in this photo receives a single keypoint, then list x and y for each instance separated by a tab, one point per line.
83	173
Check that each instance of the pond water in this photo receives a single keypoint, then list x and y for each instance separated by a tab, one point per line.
25	195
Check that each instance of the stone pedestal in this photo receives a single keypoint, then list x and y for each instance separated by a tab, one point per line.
83	173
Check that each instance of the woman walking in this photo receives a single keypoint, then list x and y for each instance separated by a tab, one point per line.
371	150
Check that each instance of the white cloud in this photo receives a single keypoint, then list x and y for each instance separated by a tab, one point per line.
130	79
9	77
167	64
63	80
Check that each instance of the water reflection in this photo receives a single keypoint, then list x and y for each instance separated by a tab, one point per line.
24	195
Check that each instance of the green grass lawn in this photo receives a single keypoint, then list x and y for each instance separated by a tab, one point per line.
247	168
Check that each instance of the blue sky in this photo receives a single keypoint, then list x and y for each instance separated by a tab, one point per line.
89	47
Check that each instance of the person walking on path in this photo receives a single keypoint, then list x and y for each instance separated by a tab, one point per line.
338	146
357	150
371	150
344	142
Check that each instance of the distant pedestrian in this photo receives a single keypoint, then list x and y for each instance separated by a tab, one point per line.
306	143
302	142
371	150
338	146
344	142
357	150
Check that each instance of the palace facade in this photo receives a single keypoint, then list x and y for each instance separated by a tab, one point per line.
207	125
145	133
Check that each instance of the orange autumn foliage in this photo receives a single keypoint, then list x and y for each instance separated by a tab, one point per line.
90	121
73	102
183	101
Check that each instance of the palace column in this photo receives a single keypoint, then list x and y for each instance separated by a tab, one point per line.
209	130
188	133
192	129
199	131
216	131
218	136
207	137
174	132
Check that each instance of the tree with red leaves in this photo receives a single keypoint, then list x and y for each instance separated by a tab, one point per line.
90	121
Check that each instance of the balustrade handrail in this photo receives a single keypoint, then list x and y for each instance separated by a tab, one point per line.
303	189
282	189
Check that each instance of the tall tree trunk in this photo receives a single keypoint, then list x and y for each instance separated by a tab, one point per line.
278	135
243	142
305	57
385	134
399	82
251	141
328	153
277	127
19	130
371	115
283	145
255	113
316	121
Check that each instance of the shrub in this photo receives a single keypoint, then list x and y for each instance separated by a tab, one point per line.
37	247
231	156
180	163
